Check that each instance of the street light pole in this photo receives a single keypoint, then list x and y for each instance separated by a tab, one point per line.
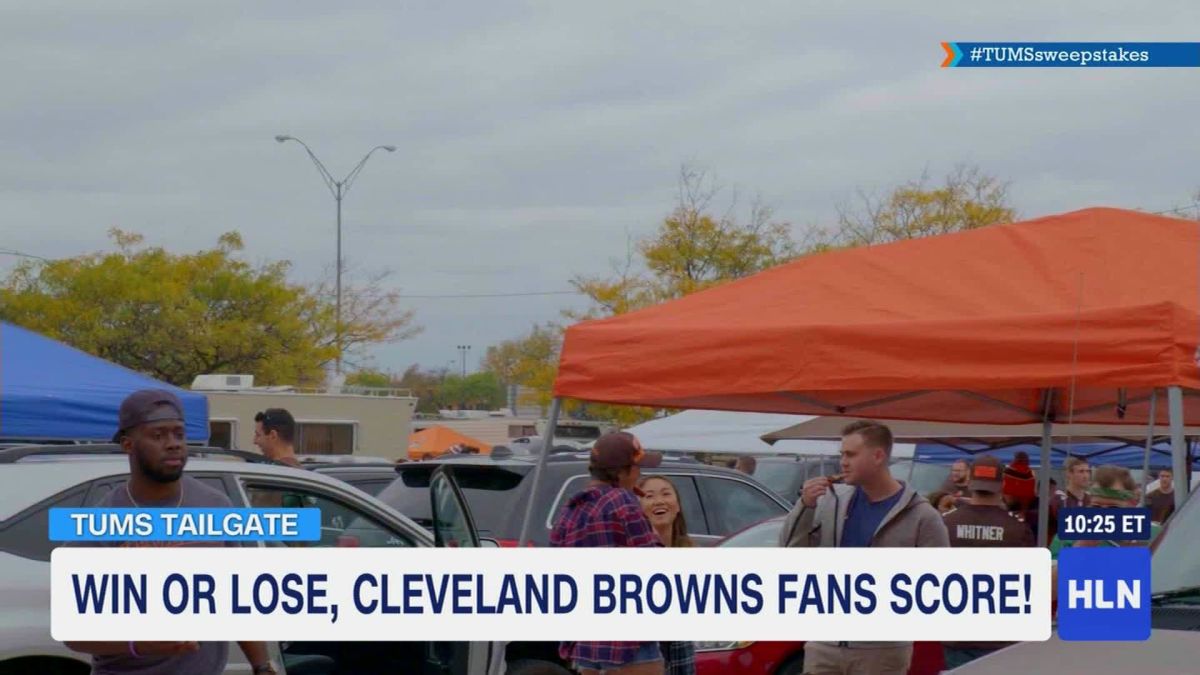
339	189
462	352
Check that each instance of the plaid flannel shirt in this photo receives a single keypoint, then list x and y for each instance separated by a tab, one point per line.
603	516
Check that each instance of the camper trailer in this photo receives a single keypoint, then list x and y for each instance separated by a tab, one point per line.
331	421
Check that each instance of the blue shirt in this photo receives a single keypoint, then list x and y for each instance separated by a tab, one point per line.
864	517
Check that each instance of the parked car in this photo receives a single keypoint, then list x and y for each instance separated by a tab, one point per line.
37	479
716	501
369	474
783	658
785	474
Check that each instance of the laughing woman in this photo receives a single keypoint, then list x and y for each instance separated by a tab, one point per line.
660	501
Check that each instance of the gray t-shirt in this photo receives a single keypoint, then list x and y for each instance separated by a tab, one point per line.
211	657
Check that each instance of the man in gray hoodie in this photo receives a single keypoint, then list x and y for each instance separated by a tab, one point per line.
871	509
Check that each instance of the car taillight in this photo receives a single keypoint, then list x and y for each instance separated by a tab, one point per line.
347	541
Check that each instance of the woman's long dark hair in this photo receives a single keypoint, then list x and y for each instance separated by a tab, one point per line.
679	530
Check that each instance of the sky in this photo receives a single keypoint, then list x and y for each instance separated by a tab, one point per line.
534	139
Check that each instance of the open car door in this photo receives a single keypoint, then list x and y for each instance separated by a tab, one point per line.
453	527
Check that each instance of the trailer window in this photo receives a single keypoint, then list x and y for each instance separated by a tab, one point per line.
221	434
325	438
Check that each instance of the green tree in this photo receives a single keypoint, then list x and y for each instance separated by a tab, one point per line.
477	391
370	378
175	316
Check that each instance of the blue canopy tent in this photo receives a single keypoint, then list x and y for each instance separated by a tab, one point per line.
52	392
1128	455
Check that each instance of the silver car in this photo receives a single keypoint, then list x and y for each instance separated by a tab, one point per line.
35	482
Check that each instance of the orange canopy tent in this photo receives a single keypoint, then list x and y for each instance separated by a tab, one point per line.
438	440
1083	316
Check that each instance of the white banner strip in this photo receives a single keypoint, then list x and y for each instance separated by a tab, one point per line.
379	594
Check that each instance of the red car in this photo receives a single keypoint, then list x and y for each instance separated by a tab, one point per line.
782	658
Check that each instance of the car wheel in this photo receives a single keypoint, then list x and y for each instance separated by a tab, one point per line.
793	666
534	667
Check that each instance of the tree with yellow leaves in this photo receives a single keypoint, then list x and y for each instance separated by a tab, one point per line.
174	316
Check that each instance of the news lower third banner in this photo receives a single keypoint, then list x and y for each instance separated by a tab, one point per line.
1071	54
389	594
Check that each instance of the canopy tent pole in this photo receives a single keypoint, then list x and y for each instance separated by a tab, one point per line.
1149	445
1044	487
1179	451
539	469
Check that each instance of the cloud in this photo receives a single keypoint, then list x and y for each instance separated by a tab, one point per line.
534	138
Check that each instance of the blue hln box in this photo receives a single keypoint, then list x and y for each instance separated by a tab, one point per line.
1104	593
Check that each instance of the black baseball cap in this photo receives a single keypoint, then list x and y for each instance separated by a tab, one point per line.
145	406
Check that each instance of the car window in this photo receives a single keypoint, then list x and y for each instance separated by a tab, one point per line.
452	526
1175	565
783	478
342	525
371	486
685	489
690	504
492	493
732	505
26	534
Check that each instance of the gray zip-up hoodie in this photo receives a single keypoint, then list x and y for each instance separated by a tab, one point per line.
912	522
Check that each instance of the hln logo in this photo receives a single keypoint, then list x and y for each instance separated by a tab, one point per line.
1090	594
1104	593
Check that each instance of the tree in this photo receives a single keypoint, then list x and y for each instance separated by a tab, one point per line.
426	385
530	361
175	316
967	198
477	391
376	379
694	248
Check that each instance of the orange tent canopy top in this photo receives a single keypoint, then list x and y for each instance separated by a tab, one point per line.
998	325
438	440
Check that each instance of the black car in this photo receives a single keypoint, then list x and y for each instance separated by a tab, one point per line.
367	474
716	501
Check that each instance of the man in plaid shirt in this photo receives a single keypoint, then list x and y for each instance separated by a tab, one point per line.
607	513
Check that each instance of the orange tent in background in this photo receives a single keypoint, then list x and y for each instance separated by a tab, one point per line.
438	440
992	326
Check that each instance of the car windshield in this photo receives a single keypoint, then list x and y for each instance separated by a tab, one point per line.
1175	565
762	535
784	478
921	477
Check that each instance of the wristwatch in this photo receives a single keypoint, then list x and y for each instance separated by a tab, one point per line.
267	668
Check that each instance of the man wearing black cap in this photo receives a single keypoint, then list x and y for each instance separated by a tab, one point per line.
151	431
984	521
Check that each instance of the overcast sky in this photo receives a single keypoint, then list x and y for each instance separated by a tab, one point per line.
532	137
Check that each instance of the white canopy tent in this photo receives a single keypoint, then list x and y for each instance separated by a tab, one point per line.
737	433
817	428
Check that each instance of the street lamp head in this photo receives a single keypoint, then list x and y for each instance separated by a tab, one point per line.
283	139
389	148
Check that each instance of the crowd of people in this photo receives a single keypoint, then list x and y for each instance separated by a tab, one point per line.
984	503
